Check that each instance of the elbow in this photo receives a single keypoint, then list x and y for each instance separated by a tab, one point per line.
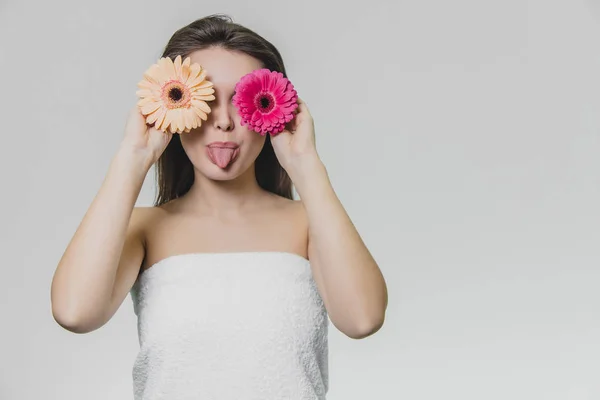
67	322
68	313
371	322
366	329
71	322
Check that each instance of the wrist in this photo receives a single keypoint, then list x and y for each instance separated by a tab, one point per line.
308	171
132	157
130	165
305	164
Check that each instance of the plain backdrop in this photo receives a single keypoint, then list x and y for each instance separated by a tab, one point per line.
461	136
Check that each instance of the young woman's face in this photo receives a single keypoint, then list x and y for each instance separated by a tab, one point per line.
214	160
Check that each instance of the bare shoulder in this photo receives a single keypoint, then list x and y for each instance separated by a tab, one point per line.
290	221
293	208
141	214
297	209
294	214
143	217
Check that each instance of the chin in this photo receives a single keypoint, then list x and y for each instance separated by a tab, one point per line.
215	173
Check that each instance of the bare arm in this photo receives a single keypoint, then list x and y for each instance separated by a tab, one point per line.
350	281
102	260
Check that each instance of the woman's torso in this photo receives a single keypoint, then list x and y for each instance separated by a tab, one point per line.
229	309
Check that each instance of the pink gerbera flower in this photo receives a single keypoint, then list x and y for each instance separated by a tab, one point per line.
265	100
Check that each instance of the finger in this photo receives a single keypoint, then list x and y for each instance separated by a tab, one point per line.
302	107
291	126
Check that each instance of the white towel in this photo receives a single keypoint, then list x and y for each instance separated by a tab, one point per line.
230	326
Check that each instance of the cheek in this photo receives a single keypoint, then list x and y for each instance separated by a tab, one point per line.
192	146
255	142
191	139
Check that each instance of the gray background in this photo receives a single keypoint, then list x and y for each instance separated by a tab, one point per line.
461	136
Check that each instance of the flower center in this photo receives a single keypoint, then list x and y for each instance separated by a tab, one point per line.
175	94
264	102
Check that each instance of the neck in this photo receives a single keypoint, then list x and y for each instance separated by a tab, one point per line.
224	197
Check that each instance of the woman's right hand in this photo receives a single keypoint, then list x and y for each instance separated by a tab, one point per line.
143	138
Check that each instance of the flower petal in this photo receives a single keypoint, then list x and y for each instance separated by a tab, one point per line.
205	98
188	118
196	107
201	105
160	117
204	91
150	107
146	84
178	119
203	85
151	118
177	65
168	68
167	121
152	74
198	79
147	100
185	70
195	69
147	93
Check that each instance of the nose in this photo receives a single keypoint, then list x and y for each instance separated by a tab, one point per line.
222	118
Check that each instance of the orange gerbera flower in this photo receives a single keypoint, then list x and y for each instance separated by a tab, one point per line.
174	95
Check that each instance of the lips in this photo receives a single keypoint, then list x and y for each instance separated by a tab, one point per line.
226	145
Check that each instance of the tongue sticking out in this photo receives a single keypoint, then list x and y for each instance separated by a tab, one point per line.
221	156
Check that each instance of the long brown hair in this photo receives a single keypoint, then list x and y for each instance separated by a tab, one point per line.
174	170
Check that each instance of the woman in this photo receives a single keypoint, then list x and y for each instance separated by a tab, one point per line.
228	303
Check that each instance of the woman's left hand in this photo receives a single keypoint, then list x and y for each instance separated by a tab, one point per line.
297	142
